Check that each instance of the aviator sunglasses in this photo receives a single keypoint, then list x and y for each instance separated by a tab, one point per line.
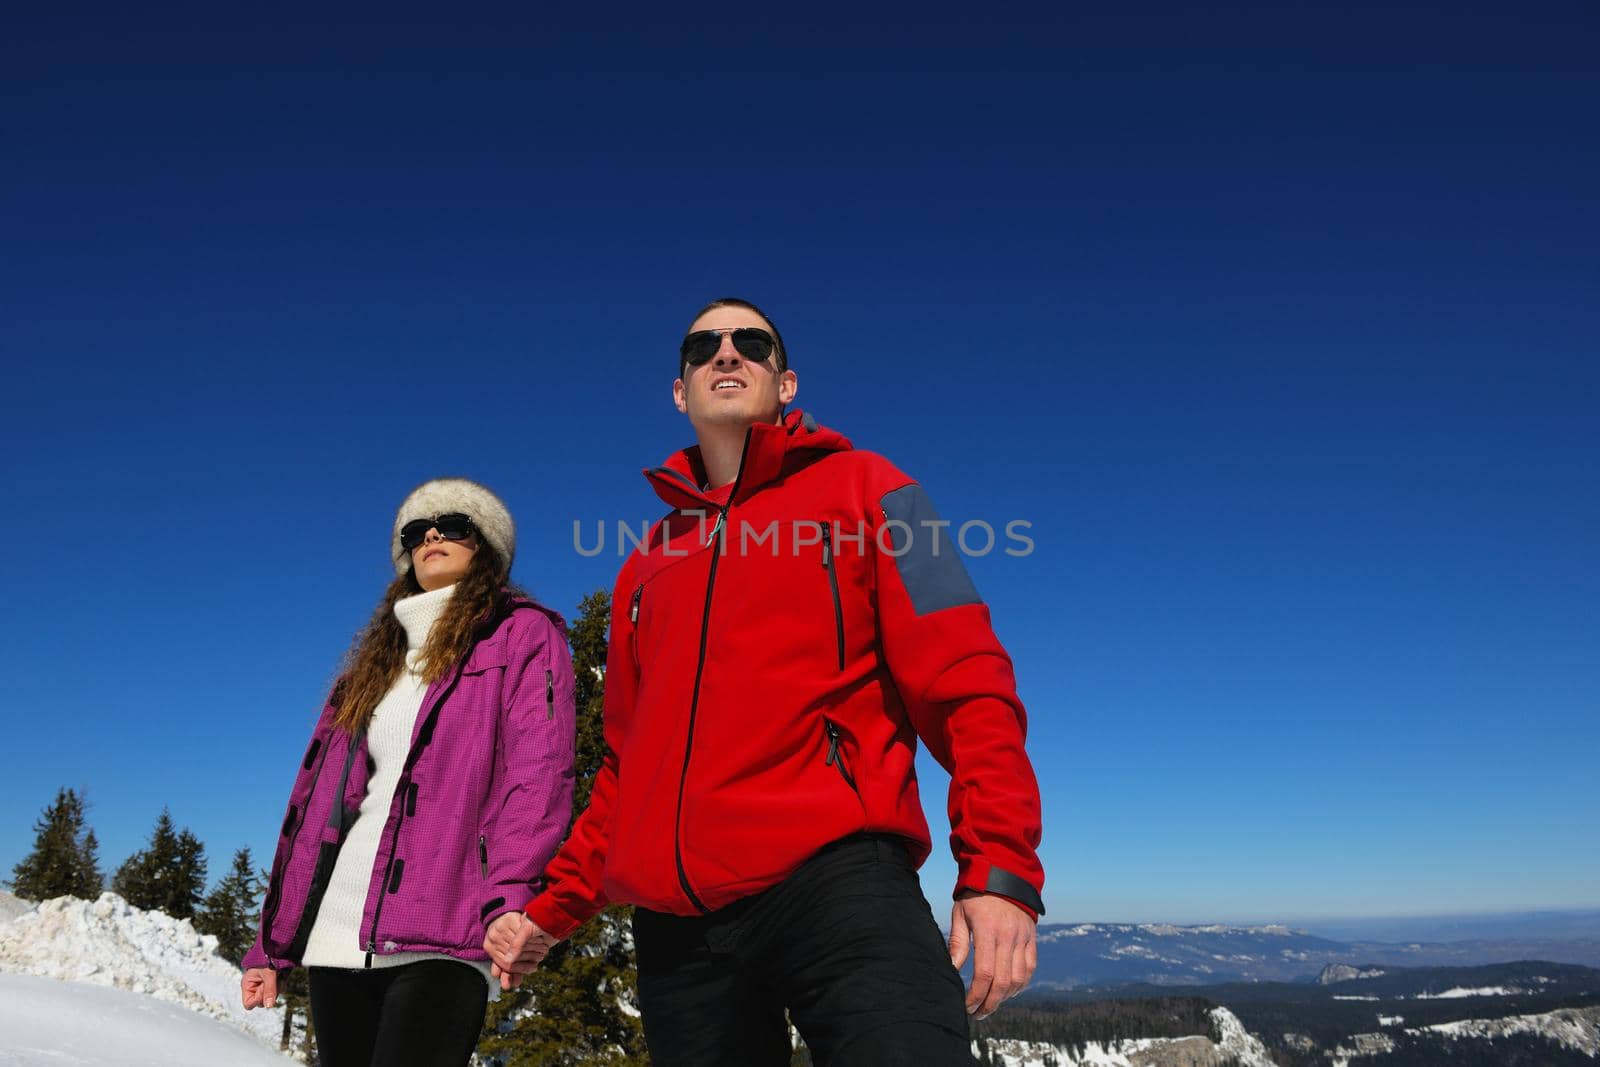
751	343
452	527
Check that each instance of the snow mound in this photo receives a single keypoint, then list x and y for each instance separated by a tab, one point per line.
45	1022
11	906
108	942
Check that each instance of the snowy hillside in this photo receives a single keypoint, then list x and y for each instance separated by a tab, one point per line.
45	1022
107	942
1142	1052
1577	1029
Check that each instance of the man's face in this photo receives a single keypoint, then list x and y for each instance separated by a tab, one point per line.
730	390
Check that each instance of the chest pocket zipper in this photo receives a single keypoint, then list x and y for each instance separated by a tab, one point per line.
833	586
549	693
633	621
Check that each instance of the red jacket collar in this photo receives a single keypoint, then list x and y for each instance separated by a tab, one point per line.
771	450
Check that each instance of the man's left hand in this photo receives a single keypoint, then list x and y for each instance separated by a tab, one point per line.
1002	941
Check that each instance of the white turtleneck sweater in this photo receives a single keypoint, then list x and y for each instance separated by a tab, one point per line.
336	937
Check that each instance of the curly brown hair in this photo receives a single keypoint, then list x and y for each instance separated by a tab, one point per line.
377	657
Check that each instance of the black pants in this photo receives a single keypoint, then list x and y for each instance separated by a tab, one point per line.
846	944
427	1014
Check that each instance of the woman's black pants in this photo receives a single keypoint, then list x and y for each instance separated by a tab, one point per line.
425	1014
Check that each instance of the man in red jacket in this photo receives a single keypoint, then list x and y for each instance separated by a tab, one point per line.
777	646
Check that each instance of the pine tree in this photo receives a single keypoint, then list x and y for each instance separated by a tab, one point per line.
169	875
90	883
581	988
189	881
141	877
230	912
63	862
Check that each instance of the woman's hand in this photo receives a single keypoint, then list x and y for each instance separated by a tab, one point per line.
516	946
259	988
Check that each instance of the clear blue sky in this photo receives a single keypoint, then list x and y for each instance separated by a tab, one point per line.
1281	331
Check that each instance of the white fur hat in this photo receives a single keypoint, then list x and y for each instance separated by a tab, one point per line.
461	496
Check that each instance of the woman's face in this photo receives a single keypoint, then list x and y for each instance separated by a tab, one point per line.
438	563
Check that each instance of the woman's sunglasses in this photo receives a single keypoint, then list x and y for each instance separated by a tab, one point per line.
451	527
751	343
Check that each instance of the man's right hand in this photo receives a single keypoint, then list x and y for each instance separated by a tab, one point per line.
259	988
516	946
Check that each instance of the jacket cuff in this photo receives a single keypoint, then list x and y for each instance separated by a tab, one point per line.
551	919
981	876
257	957
501	899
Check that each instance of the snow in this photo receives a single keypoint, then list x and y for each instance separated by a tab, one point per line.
12	906
1056	933
1009	1053
1481	991
46	1022
1236	1042
108	942
1363	1045
1391	1020
1162	929
1574	1028
1334	973
1351	996
1135	950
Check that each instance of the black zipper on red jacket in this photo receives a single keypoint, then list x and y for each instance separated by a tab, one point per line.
835	757
424	738
833	583
718	536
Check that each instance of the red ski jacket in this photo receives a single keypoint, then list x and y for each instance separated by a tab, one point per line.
777	646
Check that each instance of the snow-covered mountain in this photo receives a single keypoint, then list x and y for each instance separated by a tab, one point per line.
170	978
1237	1046
1165	954
1105	954
1576	1030
1526	1012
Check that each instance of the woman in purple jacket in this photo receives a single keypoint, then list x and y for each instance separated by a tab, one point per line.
437	784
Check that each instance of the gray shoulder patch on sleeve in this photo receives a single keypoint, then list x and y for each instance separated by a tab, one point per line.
924	553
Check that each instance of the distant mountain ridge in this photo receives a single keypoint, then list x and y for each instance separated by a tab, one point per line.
1526	1012
1343	972
1083	954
